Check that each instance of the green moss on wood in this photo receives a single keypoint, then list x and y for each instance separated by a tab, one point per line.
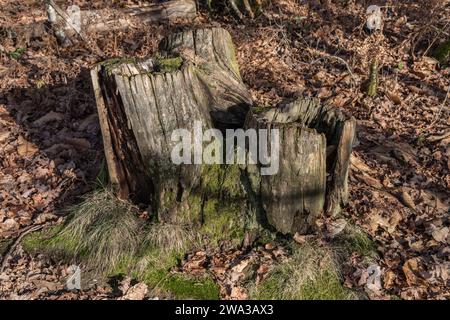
167	64
223	221
259	109
112	63
222	181
224	206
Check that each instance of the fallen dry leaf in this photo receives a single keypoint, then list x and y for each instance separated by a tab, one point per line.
136	292
406	199
335	227
440	234
370	181
4	135
395	98
411	270
78	143
26	148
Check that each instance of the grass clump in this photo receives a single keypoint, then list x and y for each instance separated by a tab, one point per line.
104	229
107	238
312	273
354	239
102	232
163	248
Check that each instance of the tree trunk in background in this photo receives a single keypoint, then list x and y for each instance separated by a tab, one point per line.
195	79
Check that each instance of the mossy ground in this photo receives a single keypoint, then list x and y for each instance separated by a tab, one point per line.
105	234
354	239
442	53
312	273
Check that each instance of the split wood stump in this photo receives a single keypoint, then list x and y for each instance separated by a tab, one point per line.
195	79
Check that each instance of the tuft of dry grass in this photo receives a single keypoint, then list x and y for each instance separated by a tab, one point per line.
171	237
105	235
312	273
103	231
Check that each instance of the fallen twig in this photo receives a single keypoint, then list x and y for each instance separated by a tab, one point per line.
437	116
330	56
16	242
66	19
236	9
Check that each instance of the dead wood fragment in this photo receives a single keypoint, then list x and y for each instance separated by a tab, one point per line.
195	78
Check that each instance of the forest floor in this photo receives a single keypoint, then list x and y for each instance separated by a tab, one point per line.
51	146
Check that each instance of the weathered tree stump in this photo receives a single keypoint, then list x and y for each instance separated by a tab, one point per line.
193	80
315	142
68	27
294	196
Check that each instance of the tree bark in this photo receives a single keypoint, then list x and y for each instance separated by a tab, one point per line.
294	197
141	103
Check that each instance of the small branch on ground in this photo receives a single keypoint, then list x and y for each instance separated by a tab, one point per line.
372	88
16	242
333	57
438	114
236	9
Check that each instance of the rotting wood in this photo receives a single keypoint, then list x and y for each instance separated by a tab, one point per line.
165	11
195	78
